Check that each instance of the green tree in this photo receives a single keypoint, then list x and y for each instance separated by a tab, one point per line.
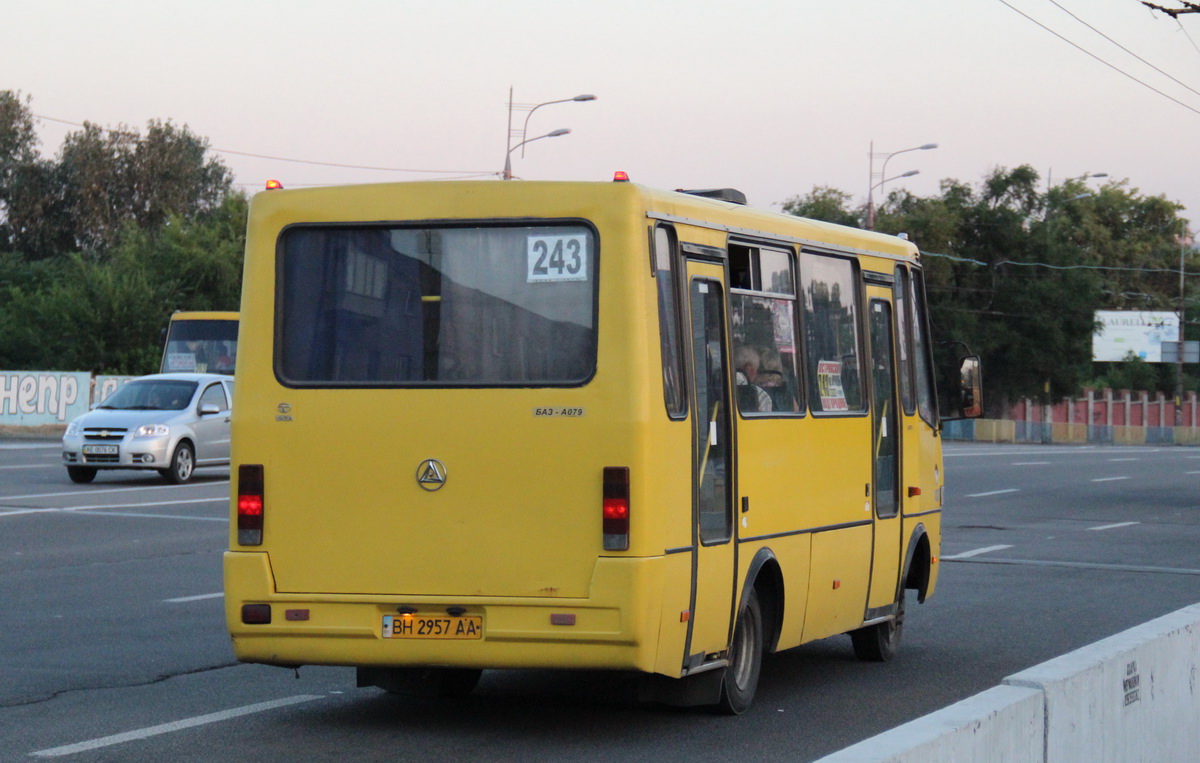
101	180
1017	274
824	203
80	313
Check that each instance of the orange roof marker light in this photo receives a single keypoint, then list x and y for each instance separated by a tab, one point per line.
620	176
274	185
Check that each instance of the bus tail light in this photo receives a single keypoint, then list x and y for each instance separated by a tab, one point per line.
616	508
250	505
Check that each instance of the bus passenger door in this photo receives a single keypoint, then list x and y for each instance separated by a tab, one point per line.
713	556
885	453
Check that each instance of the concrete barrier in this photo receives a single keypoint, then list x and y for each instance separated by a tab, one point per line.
1005	723
1134	696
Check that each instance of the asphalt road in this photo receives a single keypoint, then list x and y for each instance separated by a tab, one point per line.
112	641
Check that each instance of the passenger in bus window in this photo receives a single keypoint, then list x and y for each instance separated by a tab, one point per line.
774	382
751	397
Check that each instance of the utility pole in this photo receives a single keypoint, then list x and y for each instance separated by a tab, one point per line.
1179	361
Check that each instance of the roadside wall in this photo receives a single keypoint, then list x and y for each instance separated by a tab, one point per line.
51	398
1131	697
1104	417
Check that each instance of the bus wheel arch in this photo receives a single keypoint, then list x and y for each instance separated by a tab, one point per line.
756	633
765	576
918	563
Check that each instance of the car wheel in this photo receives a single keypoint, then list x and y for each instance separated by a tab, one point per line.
183	464
81	474
745	660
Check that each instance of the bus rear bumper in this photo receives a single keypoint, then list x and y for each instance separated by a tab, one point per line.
616	627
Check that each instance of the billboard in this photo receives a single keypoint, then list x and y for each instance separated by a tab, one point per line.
1120	332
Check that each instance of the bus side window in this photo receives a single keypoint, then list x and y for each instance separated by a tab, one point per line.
904	365
666	264
763	309
829	286
926	396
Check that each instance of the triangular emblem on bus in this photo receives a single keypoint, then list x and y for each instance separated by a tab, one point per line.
431	474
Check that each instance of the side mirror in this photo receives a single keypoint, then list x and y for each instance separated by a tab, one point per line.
971	389
209	409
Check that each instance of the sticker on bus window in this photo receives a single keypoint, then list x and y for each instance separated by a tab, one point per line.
557	258
829	383
181	361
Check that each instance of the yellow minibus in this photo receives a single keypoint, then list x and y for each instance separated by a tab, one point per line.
576	425
200	342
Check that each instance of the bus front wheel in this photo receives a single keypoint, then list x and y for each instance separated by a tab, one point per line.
878	643
745	659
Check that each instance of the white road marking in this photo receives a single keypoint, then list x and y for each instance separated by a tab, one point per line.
1124	459
141	515
33	466
994	492
1031	463
166	728
184	599
1118	524
98	508
1109	479
1191	472
976	552
106	491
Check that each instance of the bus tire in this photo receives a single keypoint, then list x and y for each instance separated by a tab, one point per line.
81	474
878	643
430	682
183	464
745	659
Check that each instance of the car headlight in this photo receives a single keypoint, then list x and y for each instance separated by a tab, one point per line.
72	429
152	430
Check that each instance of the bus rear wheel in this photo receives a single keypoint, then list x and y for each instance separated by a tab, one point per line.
428	682
878	643
745	660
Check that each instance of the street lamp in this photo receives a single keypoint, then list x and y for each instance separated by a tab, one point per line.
870	196
882	174
507	159
547	103
510	147
1081	178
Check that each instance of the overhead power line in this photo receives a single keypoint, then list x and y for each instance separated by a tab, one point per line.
467	173
1114	67
970	261
1122	47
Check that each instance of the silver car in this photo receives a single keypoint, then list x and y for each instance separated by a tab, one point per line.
172	423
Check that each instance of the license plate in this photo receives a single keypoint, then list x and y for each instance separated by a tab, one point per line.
100	450
433	626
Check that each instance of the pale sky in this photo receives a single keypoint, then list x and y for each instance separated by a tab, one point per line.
772	97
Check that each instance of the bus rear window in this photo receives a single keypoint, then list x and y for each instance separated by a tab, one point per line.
436	306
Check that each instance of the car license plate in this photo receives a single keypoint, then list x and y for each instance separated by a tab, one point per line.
100	450
433	626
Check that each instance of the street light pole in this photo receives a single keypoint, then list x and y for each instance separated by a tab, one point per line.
871	208
883	174
551	134
509	147
1179	360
